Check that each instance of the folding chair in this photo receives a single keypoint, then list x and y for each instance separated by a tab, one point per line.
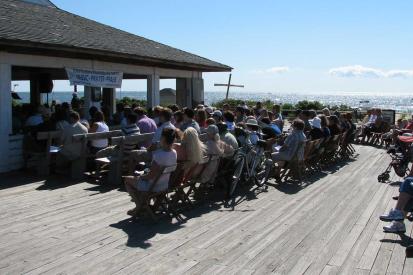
197	177
292	168
160	199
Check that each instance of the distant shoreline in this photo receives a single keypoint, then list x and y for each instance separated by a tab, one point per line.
401	103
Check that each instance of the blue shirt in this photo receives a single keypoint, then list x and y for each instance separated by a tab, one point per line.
276	129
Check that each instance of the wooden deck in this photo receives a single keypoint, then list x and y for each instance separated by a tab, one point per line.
327	226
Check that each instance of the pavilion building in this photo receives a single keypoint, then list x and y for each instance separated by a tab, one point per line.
38	40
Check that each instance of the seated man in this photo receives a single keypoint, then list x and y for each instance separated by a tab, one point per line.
228	138
130	129
396	216
145	155
70	150
374	123
293	145
189	120
153	181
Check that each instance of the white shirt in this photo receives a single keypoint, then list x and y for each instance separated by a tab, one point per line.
101	143
158	133
34	120
164	159
372	119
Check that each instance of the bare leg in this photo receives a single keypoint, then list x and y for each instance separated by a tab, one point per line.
404	198
130	187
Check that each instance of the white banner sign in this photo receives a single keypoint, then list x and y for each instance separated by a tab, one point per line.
91	78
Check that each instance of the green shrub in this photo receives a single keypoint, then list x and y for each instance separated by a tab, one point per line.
288	106
309	105
131	101
303	105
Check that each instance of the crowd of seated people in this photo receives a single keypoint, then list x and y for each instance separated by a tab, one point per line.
217	125
373	122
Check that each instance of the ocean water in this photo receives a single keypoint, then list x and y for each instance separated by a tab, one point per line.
401	103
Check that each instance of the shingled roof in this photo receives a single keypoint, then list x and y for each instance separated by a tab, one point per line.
38	29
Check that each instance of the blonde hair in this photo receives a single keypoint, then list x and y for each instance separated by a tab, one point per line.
194	148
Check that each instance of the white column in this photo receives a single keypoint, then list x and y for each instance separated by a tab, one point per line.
88	100
184	92
5	115
197	91
153	95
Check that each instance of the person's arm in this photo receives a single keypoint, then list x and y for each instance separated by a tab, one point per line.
153	147
226	148
93	128
180	151
411	171
154	173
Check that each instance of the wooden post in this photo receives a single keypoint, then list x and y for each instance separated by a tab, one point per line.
5	115
109	99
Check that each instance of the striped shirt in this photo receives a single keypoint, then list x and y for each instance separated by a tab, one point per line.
130	130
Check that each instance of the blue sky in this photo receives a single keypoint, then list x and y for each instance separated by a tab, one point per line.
278	46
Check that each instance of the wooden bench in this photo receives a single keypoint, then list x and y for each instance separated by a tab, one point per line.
84	139
43	163
115	163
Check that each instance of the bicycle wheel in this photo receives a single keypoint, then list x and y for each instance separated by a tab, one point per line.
239	167
263	172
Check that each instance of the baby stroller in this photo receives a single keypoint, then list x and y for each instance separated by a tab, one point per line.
399	162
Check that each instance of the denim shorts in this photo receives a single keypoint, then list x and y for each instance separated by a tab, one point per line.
407	186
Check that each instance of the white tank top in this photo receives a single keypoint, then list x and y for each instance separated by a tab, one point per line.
101	143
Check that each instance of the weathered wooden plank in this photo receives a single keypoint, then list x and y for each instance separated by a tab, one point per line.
333	220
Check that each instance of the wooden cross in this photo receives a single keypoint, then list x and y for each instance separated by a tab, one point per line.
229	85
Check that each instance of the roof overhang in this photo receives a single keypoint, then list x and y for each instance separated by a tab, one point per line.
43	49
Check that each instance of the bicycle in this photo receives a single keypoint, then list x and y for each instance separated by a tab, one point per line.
252	164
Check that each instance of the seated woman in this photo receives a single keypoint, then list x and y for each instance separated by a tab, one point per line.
138	186
316	132
215	146
98	126
334	125
190	152
293	146
324	126
351	127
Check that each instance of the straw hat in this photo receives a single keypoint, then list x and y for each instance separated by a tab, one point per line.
252	122
209	110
